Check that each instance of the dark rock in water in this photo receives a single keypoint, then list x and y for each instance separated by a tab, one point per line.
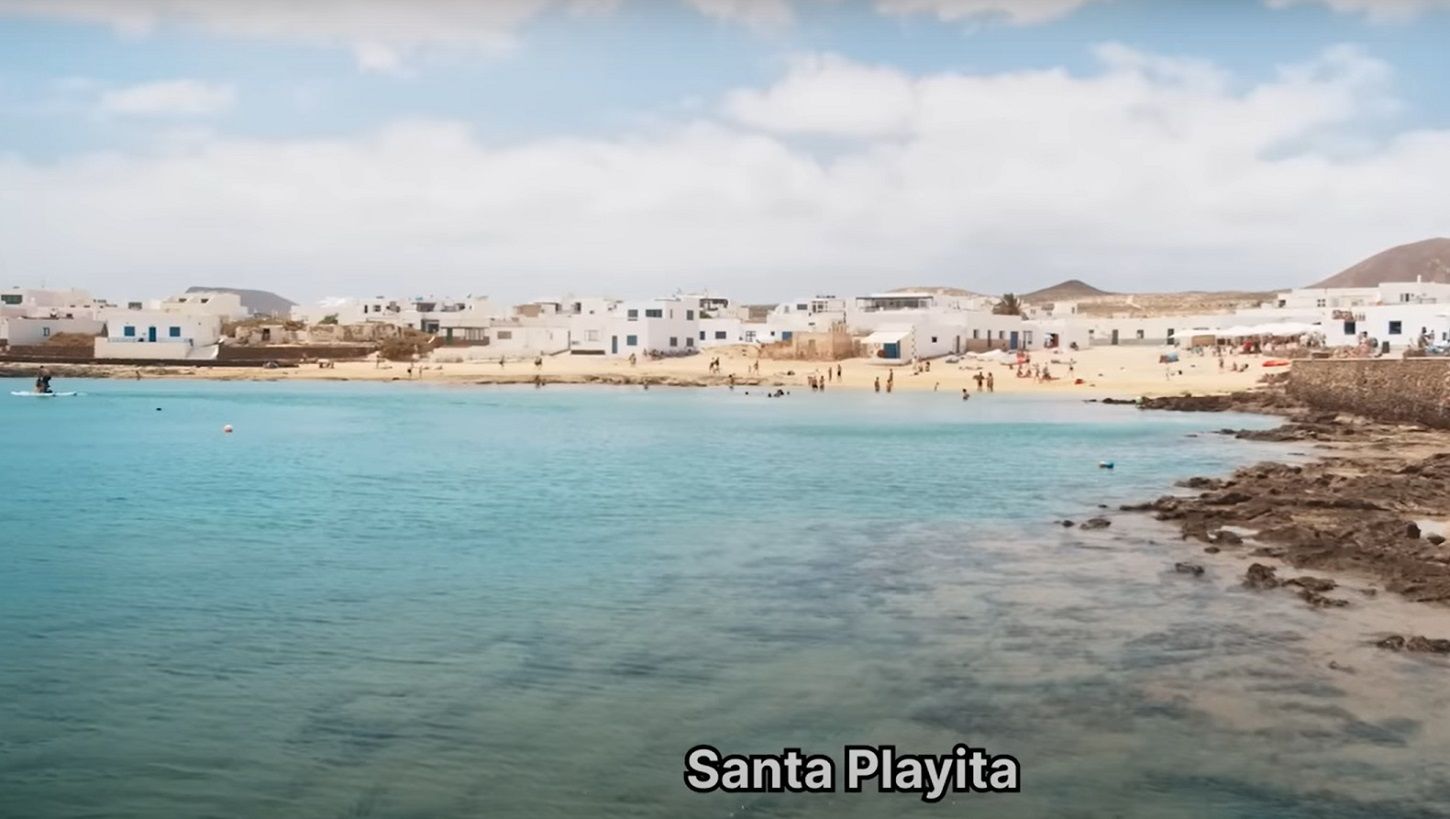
1435	540
1319	601
1201	483
1314	584
1124	401
1348	669
1188	568
1260	576
1412	530
1067	524
1213	550
1096	523
1226	537
1426	645
1267	551
1228	498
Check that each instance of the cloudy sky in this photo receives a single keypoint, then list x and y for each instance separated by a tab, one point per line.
764	149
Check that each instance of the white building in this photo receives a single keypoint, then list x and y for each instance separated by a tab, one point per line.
663	326
70	303
28	330
225	306
158	335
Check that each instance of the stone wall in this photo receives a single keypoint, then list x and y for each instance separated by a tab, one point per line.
275	352
1412	390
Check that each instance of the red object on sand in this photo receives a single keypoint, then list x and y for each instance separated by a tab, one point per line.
1277	362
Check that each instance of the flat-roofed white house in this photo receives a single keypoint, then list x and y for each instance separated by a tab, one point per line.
224	305
29	330
39	302
663	326
158	335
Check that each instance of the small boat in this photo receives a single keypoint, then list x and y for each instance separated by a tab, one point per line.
33	394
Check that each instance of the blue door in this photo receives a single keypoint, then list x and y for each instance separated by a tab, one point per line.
892	349
785	335
151	334
1012	341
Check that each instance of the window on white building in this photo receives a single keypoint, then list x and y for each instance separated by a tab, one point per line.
631	341
720	335
1140	334
1395	328
657	313
504	335
674	341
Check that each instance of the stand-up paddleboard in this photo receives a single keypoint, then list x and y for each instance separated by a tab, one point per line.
33	394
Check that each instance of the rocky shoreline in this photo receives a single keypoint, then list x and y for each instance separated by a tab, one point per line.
1370	504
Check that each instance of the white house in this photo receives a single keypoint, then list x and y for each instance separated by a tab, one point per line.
26	330
158	335
225	306
665	326
18	301
1398	325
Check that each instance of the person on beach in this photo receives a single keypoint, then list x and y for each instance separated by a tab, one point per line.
966	395
838	372
991	383
878	383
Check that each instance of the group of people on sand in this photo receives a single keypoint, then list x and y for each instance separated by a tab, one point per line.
1036	372
984	380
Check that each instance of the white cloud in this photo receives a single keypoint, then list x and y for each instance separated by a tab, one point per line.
168	98
1016	12
1150	172
1380	11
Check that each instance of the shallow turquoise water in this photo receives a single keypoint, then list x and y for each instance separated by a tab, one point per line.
400	600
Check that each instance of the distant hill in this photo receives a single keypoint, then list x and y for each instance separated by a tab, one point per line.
1070	290
1428	260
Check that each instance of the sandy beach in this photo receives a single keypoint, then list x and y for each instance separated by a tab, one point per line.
1116	371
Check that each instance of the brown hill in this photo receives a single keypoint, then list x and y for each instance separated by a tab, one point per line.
1428	260
1070	290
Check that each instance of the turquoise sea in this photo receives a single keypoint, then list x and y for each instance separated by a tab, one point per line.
396	600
